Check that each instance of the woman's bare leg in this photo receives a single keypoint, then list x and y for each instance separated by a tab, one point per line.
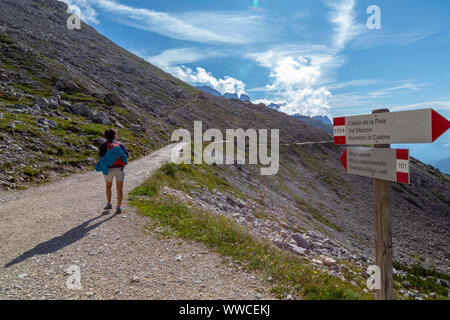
119	186
108	191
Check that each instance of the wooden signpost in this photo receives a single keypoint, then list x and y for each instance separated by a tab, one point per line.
383	164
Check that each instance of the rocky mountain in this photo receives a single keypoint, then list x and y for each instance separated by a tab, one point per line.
244	97
319	122
274	106
209	90
226	95
443	165
60	88
323	119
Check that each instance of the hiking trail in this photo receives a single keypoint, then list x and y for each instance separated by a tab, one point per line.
46	229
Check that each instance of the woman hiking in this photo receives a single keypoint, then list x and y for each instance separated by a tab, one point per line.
114	157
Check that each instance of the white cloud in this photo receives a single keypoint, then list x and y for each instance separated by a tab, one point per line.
200	76
269	101
299	72
370	39
182	55
138	52
83	9
353	83
388	92
296	72
351	100
242	27
437	105
291	72
169	61
160	22
258	89
343	16
204	27
294	78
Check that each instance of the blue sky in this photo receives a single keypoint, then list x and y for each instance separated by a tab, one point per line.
315	57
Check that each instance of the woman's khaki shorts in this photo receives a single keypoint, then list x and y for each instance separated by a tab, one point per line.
118	173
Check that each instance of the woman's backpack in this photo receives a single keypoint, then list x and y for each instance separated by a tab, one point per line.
111	145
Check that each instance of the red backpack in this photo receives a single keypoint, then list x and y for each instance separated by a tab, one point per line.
115	143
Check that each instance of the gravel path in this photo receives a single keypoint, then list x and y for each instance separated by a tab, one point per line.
46	229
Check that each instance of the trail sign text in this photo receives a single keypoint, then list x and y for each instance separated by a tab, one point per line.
385	164
416	126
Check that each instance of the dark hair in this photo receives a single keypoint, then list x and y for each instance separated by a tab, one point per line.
110	134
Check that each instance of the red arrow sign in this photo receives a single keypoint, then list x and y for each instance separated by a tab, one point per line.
438	124
344	159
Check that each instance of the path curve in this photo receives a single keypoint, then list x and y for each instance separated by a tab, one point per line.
46	229
183	106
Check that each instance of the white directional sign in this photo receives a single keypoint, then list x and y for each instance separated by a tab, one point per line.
416	126
384	164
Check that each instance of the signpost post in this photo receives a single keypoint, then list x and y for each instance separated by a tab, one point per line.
383	164
383	231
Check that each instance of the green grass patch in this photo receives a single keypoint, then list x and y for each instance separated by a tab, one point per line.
445	178
290	273
9	66
205	176
23	123
79	131
6	166
413	202
315	160
187	177
422	279
13	100
5	39
7	98
80	97
420	271
315	213
45	92
29	171
70	142
122	111
441	197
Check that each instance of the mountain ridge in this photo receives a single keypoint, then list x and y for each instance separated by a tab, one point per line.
226	95
319	122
